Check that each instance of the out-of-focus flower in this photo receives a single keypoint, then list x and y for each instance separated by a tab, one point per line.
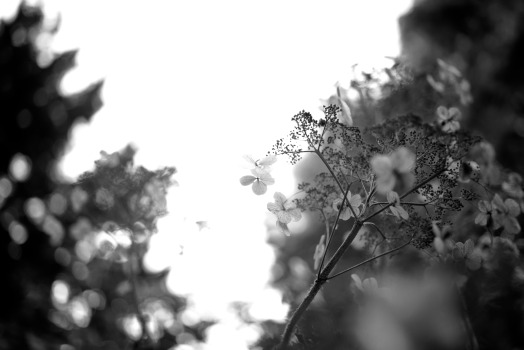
355	201
441	242
396	208
260	180
483	217
390	168
448	118
319	251
505	214
513	186
346	111
285	210
467	252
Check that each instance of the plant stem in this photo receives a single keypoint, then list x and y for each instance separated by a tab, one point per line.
315	288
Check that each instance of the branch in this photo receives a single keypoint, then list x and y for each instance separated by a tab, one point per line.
315	288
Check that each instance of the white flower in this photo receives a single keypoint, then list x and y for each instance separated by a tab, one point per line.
285	210
448	119
355	201
261	164
389	168
346	112
396	208
260	179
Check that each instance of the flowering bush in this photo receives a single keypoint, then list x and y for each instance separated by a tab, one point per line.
411	184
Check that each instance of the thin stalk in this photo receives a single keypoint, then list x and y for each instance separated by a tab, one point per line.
408	193
338	182
370	259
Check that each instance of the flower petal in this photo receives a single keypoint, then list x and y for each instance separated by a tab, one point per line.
296	214
355	201
280	199
267	179
469	246
381	165
268	160
511	225
395	211
345	214
393	197
386	183
358	281
283	216
442	113
484	206
402	212
403	159
482	219
273	207
247	180
513	207
498	203
259	188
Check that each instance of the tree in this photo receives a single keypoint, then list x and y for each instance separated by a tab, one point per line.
72	252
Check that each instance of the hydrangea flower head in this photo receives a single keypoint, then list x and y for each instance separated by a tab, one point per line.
390	168
285	211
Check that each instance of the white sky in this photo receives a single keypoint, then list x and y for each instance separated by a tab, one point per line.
198	84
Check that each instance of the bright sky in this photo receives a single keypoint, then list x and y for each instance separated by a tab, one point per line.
196	85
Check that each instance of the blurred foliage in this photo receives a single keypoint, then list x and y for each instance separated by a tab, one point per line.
460	285
71	253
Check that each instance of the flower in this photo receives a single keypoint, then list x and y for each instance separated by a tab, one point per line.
392	167
285	210
448	119
260	179
513	186
467	252
346	112
355	201
505	214
396	209
441	242
261	164
484	216
319	252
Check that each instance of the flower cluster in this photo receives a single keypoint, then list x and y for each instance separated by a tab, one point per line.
499	214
